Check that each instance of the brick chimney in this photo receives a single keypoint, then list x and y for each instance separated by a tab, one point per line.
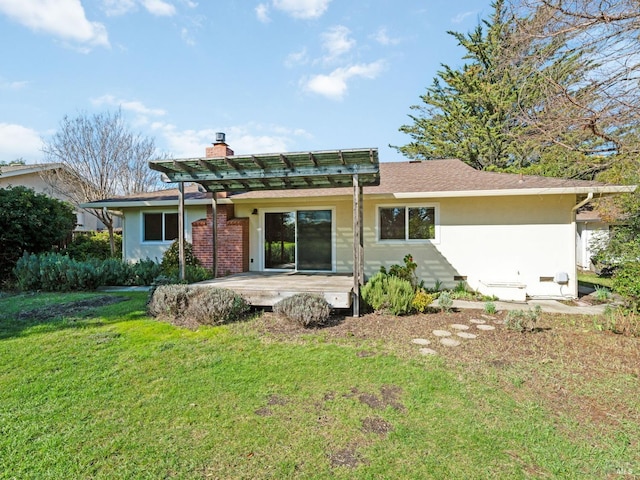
219	148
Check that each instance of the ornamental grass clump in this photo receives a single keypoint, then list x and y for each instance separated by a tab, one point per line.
308	309
523	320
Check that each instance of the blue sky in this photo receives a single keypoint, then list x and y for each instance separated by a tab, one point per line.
274	75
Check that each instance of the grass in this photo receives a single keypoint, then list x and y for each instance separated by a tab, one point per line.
113	394
592	279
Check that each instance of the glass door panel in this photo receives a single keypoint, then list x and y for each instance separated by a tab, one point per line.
314	240
280	241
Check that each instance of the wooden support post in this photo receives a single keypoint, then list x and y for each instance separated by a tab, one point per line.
181	254
357	244
214	232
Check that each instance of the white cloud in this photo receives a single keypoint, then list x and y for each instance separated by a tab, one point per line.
462	16
337	42
262	12
296	58
243	139
187	37
17	141
64	19
302	8
159	8
334	85
134	106
383	38
12	85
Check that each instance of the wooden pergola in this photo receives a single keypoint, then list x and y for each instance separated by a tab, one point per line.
354	168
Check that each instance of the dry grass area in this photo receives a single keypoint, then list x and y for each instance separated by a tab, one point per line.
567	366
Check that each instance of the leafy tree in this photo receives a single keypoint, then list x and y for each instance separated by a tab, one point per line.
102	159
30	222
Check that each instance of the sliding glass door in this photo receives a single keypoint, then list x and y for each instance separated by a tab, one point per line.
298	240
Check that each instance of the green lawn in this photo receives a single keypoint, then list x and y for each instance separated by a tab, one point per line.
592	279
117	395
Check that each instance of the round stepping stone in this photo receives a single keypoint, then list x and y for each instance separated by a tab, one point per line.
427	351
441	333
477	321
459	326
485	327
449	342
421	341
499	322
466	335
488	317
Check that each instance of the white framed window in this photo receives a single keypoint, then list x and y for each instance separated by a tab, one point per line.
159	226
408	223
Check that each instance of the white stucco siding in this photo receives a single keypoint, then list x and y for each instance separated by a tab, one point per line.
492	239
134	247
516	239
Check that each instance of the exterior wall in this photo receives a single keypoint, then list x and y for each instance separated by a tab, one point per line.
86	221
488	240
588	233
233	241
133	246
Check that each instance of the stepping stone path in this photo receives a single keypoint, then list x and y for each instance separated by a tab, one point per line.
460	330
427	351
458	326
441	333
485	327
466	335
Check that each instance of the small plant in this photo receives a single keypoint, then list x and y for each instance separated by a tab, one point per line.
621	321
490	307
445	302
602	294
437	286
523	320
406	272
422	300
308	309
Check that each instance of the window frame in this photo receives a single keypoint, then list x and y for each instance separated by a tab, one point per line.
143	232
406	239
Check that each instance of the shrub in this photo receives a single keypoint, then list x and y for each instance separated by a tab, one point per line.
169	301
199	305
626	282
445	302
307	309
92	245
31	222
388	293
215	306
406	272
621	321
523	320
171	258
421	301
193	274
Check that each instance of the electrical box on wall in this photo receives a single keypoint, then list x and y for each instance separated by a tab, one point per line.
561	277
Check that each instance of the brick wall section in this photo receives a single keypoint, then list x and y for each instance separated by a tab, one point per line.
233	241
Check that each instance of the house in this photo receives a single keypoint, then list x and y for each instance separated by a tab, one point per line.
33	176
508	235
591	230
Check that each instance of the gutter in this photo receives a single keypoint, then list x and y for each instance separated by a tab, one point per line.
582	203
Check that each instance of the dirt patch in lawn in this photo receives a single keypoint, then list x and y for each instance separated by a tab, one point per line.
78	308
566	364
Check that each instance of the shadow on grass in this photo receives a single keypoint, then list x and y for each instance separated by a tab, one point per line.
40	313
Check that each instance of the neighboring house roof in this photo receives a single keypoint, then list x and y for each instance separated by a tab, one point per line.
431	178
7	171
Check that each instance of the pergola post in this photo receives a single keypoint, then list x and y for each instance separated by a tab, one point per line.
358	245
181	254
214	233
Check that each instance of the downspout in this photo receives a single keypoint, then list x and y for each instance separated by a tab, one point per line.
574	209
